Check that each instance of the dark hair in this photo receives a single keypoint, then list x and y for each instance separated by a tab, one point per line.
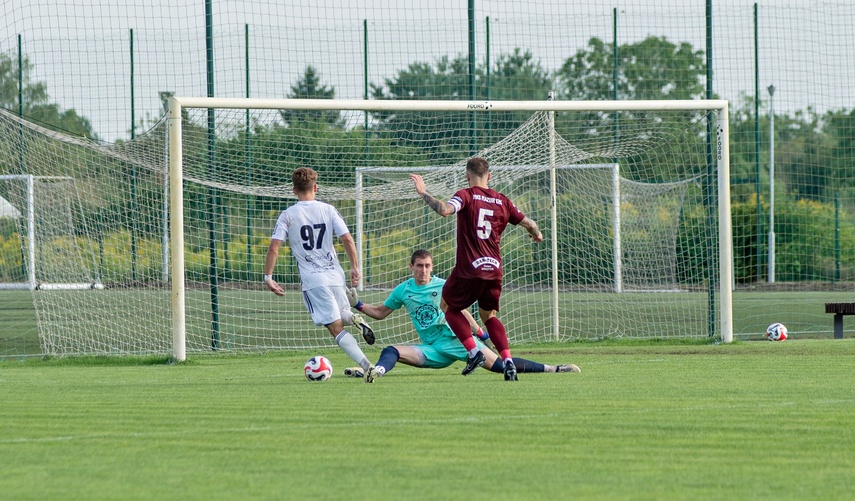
478	166
304	179
420	254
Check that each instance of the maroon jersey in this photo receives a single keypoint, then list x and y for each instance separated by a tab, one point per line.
482	215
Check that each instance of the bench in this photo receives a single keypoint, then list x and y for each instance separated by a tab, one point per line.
839	309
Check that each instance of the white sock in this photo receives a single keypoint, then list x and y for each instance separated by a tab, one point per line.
348	343
474	351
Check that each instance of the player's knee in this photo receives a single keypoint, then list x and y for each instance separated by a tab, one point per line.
390	351
335	327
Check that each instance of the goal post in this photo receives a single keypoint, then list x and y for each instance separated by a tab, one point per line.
560	200
45	207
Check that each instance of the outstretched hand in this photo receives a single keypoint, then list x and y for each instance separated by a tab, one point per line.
419	183
274	287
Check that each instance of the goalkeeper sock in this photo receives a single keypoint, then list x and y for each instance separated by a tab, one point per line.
388	358
347	342
522	365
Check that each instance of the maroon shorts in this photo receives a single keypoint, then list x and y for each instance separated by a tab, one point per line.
460	293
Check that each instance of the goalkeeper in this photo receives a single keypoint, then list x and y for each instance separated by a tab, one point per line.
439	347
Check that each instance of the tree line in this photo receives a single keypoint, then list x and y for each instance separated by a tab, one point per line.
813	159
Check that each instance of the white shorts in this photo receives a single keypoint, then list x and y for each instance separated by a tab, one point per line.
325	304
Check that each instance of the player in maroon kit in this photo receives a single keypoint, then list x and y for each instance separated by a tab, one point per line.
482	215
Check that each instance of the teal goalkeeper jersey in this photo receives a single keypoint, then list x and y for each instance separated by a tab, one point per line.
422	303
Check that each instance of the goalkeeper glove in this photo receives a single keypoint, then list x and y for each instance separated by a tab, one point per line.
353	298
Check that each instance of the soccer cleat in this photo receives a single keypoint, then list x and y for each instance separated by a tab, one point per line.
510	371
567	368
367	333
372	374
354	372
473	363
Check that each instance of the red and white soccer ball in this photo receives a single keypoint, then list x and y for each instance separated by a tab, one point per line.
776	332
318	368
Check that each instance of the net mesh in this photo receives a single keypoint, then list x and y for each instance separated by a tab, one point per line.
101	69
635	249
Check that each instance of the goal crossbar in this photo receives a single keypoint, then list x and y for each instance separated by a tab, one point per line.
176	104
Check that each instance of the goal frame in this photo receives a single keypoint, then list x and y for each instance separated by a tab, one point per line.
32	282
721	147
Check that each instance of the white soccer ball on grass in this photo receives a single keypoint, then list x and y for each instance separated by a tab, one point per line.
318	368
776	332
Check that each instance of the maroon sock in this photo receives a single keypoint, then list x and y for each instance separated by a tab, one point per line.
460	326
499	336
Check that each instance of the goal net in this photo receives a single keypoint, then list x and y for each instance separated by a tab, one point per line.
646	260
627	194
83	239
45	212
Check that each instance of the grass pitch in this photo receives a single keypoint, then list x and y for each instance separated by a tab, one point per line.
645	420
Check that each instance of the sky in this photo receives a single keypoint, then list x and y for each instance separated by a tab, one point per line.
81	48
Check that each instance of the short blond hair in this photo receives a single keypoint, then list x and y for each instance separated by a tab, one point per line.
304	179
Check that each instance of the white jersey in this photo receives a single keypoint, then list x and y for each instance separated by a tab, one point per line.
309	226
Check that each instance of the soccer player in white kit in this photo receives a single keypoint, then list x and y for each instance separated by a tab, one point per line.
309	226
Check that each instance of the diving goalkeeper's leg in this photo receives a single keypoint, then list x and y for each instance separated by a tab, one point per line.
388	358
524	365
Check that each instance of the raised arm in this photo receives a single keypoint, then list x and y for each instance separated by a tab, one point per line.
442	208
533	230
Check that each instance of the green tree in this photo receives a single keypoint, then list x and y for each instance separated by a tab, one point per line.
653	68
802	154
36	105
743	151
309	87
444	136
839	127
517	76
448	136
